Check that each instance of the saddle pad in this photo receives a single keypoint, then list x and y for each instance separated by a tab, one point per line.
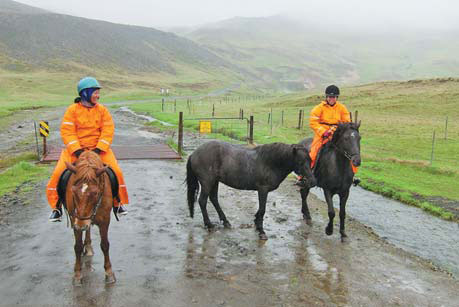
64	179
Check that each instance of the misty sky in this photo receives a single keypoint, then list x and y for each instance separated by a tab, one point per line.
435	14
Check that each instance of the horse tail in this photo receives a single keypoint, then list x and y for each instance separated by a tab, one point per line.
192	186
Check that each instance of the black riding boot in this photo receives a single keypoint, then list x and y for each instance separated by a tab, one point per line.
356	181
56	215
120	210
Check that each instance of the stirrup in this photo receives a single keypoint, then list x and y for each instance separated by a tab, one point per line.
56	215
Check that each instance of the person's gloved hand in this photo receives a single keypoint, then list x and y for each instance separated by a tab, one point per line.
97	151
78	152
326	134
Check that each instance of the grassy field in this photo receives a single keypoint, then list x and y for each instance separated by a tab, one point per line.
398	122
39	88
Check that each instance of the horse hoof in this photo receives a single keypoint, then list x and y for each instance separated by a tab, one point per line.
210	227
110	279
308	221
227	224
344	239
263	236
329	231
77	281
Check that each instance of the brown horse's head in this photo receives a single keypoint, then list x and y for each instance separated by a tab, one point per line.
85	190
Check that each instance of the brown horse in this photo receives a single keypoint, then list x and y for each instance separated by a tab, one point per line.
89	201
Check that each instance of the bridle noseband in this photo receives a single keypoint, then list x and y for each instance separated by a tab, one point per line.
343	152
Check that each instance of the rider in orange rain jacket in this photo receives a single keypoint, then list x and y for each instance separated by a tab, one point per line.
87	125
323	120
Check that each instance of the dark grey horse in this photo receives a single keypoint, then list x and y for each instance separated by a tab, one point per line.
334	172
262	168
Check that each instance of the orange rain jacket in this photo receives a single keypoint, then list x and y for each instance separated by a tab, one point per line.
323	117
86	128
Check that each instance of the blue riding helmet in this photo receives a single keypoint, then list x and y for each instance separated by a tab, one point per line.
87	82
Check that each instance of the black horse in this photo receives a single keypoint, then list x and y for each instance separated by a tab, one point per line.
333	172
262	168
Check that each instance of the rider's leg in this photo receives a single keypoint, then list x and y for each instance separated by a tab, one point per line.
109	158
51	188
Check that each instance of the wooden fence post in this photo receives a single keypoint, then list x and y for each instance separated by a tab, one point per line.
433	146
180	134
271	121
299	119
251	130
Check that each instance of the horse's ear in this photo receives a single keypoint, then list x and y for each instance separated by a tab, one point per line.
358	124
100	171
71	167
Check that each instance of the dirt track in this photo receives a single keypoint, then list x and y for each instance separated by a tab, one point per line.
163	258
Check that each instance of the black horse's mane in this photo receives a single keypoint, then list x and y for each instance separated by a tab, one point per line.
274	151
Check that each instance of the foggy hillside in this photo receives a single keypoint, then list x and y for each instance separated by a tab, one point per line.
275	52
280	48
42	39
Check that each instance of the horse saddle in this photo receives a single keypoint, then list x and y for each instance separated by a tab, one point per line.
65	176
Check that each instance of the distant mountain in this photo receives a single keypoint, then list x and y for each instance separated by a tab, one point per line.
39	38
294	54
270	52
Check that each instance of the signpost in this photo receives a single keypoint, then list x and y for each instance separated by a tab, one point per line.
44	133
205	126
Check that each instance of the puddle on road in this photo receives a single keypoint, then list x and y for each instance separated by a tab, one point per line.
407	227
145	117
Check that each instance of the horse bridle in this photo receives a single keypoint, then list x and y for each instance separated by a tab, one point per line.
94	210
344	152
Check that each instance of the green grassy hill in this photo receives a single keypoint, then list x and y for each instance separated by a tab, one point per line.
43	55
56	41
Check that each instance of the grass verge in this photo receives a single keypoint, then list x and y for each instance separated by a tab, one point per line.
19	174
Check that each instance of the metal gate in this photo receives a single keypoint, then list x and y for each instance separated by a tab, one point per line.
235	130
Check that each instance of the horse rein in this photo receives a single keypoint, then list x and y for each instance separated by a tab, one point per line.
345	153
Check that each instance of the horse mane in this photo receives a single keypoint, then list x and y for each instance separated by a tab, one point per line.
342	127
274	152
87	163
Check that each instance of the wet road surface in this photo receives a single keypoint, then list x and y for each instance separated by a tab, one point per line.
405	226
161	257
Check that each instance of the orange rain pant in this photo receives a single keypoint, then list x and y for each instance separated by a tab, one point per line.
107	157
316	145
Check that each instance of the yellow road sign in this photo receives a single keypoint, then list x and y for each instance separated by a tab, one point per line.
205	126
44	129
